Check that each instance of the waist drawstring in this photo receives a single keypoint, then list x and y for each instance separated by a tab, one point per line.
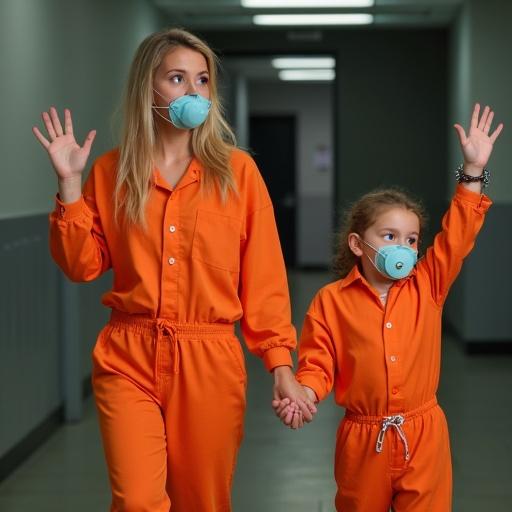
178	333
396	422
169	330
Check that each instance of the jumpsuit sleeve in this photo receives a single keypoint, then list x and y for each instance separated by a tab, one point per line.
77	241
460	226
316	353
266	321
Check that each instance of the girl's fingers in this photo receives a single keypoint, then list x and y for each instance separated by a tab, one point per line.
289	417
488	123
285	412
289	411
56	121
49	126
295	421
483	119
280	401
280	409
300	420
278	405
474	117
68	123
304	408
461	133
40	137
494	136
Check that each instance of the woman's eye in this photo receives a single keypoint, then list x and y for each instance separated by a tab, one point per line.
177	79
389	236
204	80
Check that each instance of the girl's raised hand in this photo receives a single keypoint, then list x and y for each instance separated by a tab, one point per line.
67	157
477	144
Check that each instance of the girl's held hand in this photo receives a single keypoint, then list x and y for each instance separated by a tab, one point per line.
477	144
285	386
288	411
67	157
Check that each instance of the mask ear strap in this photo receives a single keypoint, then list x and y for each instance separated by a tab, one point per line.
163	117
373	263
163	97
373	249
366	243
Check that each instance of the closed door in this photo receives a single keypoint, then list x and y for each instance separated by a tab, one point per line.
272	141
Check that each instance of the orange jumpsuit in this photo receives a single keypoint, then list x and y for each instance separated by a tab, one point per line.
383	361
168	372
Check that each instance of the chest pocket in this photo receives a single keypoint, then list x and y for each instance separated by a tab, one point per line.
217	240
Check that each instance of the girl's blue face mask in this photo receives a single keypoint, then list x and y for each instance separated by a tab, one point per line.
187	112
393	261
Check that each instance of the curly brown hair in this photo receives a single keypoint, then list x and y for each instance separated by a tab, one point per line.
363	213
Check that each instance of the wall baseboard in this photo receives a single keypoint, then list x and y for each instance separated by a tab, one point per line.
37	437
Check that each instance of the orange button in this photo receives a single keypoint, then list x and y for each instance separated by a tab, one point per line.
394	391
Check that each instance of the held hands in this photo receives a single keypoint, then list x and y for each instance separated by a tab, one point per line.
67	157
477	144
292	403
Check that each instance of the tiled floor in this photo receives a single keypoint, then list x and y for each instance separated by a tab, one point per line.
280	470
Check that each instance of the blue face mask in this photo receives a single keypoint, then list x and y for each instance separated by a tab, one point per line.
393	261
187	112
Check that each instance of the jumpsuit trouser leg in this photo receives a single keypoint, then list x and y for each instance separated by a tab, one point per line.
369	481
171	403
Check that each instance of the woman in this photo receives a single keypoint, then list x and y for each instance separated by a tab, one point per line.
185	221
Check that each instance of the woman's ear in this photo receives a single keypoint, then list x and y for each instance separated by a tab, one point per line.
355	244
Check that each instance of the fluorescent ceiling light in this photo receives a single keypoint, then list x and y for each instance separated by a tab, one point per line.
312	19
307	3
303	62
307	74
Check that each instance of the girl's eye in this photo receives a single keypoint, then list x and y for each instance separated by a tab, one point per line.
412	241
389	236
177	79
204	80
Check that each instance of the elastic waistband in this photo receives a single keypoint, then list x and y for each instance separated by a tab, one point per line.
150	325
377	420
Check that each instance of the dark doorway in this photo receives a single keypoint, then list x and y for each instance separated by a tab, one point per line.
272	140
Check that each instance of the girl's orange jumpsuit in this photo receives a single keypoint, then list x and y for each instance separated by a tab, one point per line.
392	447
168	371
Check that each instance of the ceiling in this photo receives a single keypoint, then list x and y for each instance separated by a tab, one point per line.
230	15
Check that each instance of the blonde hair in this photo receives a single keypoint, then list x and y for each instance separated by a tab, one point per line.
212	142
363	214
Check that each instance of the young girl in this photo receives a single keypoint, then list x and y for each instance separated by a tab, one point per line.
185	221
375	337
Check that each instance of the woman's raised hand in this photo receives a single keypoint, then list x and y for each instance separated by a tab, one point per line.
67	157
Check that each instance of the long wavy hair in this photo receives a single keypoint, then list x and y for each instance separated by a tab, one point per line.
363	213
212	142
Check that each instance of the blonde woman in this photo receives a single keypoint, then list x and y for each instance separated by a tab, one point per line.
185	221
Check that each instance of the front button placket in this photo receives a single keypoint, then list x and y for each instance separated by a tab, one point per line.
390	333
172	246
170	259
